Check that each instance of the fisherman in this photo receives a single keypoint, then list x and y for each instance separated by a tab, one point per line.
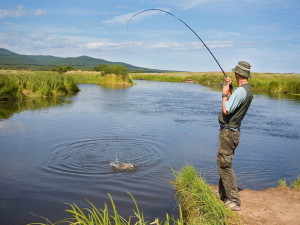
234	107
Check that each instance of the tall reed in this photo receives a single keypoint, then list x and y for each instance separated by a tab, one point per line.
37	84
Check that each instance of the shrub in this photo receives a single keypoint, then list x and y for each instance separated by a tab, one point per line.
62	69
115	69
100	67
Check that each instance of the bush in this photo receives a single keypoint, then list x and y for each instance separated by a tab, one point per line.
100	67
115	69
106	69
62	69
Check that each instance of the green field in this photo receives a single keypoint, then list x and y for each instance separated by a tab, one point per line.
276	83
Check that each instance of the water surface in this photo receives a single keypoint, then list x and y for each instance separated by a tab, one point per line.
61	153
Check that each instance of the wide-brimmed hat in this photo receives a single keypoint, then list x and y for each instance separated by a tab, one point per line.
243	69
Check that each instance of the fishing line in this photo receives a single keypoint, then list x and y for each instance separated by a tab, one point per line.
161	10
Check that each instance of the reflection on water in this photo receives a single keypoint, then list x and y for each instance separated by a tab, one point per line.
64	154
291	97
8	108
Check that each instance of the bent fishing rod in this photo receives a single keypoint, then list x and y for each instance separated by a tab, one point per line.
161	10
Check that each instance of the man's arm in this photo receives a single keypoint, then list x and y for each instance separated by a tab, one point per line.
227	90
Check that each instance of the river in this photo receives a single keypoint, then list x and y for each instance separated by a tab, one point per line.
60	152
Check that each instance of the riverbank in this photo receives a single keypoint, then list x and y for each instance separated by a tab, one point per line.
270	206
200	203
16	84
273	83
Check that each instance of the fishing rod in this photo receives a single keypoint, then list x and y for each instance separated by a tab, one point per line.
161	10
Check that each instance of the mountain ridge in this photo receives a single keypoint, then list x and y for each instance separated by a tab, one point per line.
12	60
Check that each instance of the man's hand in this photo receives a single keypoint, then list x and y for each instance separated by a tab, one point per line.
227	88
228	81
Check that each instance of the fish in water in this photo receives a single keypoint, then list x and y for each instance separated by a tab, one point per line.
121	166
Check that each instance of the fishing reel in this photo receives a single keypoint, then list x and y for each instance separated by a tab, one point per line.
222	85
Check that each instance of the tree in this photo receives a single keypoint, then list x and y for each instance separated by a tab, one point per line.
62	69
100	67
112	69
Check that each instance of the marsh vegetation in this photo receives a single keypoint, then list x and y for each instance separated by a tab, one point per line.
275	83
17	84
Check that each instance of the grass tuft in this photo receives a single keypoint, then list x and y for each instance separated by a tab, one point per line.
294	184
199	203
282	183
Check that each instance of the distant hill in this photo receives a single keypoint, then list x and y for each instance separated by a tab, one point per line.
12	60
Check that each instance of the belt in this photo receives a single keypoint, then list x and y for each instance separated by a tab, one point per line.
224	126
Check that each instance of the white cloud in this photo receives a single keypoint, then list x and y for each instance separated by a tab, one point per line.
188	4
123	19
155	46
20	11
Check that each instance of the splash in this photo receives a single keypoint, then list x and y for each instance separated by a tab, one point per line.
121	166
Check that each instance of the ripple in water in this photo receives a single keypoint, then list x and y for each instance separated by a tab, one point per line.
95	156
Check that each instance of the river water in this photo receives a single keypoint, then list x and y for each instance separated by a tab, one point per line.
59	151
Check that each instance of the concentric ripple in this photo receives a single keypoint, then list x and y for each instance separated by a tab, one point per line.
93	156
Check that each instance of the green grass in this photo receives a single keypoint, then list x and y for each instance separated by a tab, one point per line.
261	82
19	84
295	184
199	204
8	89
282	183
107	80
95	216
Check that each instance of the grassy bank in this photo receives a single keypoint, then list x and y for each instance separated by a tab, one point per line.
261	82
108	80
19	84
16	84
199	204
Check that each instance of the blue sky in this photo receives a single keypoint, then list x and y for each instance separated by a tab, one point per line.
265	33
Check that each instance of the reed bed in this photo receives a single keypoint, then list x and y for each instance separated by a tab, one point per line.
261	82
16	84
199	203
19	84
107	80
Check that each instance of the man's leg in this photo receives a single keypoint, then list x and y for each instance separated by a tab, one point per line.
228	142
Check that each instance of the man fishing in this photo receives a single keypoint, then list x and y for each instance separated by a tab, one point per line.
234	107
